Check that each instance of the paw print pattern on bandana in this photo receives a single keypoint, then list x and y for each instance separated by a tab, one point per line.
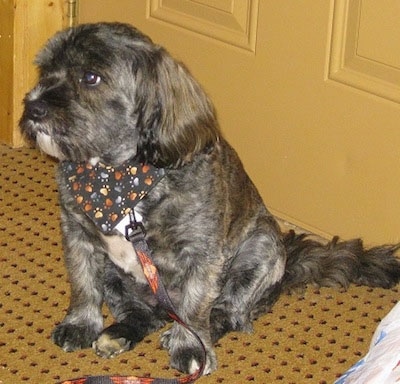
106	193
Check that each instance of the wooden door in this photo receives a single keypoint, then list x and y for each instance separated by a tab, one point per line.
308	93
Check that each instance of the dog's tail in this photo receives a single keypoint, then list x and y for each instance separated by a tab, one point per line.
338	263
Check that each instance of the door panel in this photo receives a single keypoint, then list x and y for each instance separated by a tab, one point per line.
307	92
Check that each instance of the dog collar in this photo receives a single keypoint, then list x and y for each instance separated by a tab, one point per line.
107	194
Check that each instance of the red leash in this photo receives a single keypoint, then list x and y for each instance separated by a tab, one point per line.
135	233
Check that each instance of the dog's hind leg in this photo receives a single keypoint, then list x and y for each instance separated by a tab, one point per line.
252	285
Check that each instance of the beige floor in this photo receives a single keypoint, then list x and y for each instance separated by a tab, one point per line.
310	338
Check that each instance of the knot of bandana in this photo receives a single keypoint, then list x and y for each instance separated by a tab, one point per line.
107	193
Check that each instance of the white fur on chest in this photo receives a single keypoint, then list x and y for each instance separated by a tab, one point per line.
122	254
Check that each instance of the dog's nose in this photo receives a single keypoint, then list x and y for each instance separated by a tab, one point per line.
36	109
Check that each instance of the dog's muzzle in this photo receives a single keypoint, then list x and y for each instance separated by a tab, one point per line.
36	110
33	124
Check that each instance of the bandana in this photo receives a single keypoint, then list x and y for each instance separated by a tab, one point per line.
108	194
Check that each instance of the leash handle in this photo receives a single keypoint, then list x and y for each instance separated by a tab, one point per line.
135	233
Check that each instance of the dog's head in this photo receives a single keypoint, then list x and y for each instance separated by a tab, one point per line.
106	92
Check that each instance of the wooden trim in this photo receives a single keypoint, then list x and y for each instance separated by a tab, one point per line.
72	12
25	25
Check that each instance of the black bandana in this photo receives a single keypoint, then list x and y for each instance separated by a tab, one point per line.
106	193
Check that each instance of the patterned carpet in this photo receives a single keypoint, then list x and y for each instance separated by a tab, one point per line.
308	338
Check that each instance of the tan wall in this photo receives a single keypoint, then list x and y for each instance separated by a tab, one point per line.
24	27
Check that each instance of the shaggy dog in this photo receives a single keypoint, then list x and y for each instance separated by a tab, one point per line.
107	95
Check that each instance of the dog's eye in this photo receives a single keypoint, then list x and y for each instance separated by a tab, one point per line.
91	79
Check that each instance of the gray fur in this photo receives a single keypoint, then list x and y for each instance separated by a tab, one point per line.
107	93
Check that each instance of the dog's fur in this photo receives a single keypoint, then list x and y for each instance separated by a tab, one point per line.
107	93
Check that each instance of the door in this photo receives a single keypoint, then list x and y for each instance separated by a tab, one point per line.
308	93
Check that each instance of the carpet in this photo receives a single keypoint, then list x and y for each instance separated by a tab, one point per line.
312	337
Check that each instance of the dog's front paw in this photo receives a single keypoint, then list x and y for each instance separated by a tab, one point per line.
108	347
189	360
186	353
117	338
71	337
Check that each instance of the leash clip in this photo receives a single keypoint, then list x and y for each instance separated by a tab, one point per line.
135	230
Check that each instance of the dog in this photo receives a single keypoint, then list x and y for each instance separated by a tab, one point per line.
106	94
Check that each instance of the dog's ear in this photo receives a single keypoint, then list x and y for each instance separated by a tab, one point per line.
176	119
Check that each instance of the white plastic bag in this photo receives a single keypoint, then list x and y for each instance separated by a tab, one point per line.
381	365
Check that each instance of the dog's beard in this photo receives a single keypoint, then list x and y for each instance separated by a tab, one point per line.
48	145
